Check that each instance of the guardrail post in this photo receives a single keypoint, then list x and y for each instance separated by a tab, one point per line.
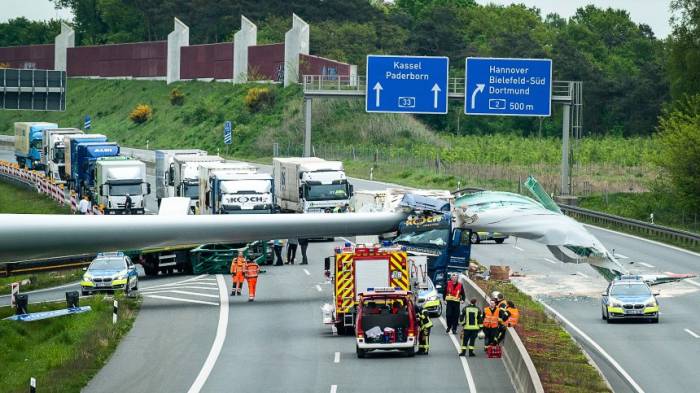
115	310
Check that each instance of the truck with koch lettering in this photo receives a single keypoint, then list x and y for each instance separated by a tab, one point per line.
223	191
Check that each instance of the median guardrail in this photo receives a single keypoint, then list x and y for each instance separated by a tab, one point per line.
684	237
519	366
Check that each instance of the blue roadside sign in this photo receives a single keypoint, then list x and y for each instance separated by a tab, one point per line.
508	87
88	122
406	84
228	130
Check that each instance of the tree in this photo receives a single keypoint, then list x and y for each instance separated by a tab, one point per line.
684	48
21	31
679	148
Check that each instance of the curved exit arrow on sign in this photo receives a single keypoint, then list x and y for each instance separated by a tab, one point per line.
479	89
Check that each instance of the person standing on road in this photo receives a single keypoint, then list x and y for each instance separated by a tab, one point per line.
304	244
453	296
292	244
424	324
277	247
237	273
251	275
472	320
84	205
127	204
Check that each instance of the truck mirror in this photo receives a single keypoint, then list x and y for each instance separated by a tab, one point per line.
351	190
301	192
327	263
102	190
456	237
148	188
170	175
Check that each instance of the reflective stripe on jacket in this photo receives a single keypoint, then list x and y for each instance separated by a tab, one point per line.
251	270
470	318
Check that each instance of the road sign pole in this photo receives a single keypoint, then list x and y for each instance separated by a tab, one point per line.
565	177
307	127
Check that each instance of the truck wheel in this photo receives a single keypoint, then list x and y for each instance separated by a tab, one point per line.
84	292
360	352
411	352
474	238
500	241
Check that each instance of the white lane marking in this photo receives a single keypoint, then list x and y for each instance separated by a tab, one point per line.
184	293
463	360
336	359
646	264
213	280
77	283
177	299
307	272
550	261
582	274
621	256
177	282
518	248
646	240
597	347
692	333
334	388
146	290
693	282
348	241
318	288
218	340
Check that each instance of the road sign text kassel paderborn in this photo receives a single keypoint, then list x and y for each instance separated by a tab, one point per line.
228	129
508	87
406	84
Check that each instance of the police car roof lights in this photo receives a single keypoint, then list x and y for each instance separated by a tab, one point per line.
383	289
631	277
110	254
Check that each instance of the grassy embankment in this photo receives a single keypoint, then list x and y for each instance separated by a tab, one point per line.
61	353
560	363
16	199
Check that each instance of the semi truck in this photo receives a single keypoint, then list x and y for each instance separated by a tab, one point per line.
164	170
224	191
184	175
84	163
53	152
28	140
117	177
310	184
70	143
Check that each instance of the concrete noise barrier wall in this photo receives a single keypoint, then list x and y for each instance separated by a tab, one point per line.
244	38
296	42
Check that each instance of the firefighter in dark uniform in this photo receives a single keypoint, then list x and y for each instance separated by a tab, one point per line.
424	324
472	320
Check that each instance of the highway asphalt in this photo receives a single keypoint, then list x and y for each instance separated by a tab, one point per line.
657	357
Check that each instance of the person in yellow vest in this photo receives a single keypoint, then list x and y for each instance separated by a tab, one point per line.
513	315
424	324
472	320
252	270
237	273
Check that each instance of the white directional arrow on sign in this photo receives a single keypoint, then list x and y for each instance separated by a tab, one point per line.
479	89
436	89
377	88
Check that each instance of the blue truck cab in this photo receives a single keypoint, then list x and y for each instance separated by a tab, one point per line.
83	166
429	230
28	143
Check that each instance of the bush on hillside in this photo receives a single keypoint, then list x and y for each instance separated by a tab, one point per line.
4	65
177	97
141	113
259	98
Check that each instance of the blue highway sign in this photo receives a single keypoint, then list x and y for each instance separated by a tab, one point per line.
228	130
406	84
508	87
88	122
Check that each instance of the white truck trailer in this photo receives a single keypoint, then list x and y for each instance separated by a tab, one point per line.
53	152
310	184
230	191
165	169
185	175
117	177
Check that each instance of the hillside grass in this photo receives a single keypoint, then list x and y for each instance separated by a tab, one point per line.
62	353
15	199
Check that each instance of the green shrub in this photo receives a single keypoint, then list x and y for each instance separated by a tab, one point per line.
177	97
259	98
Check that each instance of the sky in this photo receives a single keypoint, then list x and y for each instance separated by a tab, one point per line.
654	13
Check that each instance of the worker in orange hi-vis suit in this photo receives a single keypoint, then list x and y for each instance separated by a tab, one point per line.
251	274
237	273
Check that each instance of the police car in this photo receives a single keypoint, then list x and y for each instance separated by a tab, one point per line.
429	299
629	297
109	272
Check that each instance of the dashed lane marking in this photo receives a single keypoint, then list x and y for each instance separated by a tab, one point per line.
462	359
693	282
582	274
318	288
185	293
334	388
177	299
307	272
518	248
336	359
550	261
177	282
177	287
621	256
646	264
692	333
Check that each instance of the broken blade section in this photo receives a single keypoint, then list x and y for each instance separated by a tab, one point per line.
666	277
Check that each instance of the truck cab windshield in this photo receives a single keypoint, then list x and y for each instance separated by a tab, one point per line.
36	144
123	189
59	154
191	191
435	237
323	192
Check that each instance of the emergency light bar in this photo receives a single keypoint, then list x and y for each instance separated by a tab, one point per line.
110	254
383	289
